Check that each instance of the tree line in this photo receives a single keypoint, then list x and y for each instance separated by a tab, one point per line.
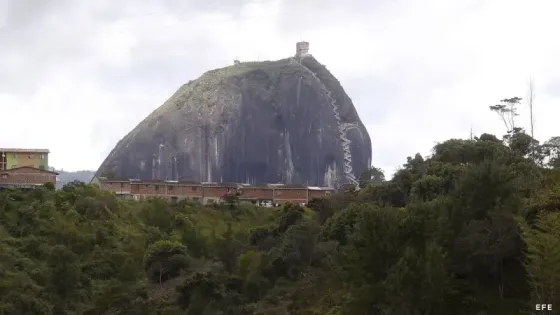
474	228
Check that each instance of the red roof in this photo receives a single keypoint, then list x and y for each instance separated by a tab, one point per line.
12	150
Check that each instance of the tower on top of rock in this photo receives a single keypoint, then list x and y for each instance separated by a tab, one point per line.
302	49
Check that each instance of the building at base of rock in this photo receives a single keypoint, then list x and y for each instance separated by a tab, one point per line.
208	193
26	177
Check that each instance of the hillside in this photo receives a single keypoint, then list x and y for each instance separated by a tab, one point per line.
253	122
64	177
472	229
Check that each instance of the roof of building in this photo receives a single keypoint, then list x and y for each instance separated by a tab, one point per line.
212	184
258	186
160	181
254	198
28	167
319	188
13	150
288	186
18	185
116	180
215	184
146	181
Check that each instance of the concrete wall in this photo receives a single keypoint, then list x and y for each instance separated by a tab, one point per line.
20	159
302	48
26	176
218	191
116	187
184	190
256	193
167	189
295	195
44	163
11	160
318	193
211	193
29	159
215	194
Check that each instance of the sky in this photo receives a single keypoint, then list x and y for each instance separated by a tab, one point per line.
77	75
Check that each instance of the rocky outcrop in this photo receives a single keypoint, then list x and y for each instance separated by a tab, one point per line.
284	121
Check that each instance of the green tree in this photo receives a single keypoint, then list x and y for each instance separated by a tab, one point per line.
488	137
165	260
323	208
427	188
298	247
371	175
470	229
507	111
291	214
543	257
228	248
49	186
65	273
551	150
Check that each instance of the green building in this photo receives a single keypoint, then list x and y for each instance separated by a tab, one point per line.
12	158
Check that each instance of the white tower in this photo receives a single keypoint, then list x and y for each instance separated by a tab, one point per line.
302	49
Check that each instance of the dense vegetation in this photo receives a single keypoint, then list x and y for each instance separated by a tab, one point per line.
472	229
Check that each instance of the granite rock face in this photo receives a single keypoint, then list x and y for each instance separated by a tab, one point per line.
286	121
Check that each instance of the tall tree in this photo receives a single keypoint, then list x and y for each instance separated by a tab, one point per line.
551	149
543	257
164	260
530	100
507	111
371	175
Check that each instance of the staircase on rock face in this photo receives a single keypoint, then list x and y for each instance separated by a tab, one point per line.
342	127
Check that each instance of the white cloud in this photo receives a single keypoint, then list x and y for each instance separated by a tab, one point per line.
82	76
113	44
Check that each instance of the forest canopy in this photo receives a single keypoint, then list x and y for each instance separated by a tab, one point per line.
474	228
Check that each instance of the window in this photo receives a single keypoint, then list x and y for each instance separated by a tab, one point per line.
4	175
14	155
42	156
193	188
170	188
30	156
278	192
15	166
122	185
299	193
157	187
